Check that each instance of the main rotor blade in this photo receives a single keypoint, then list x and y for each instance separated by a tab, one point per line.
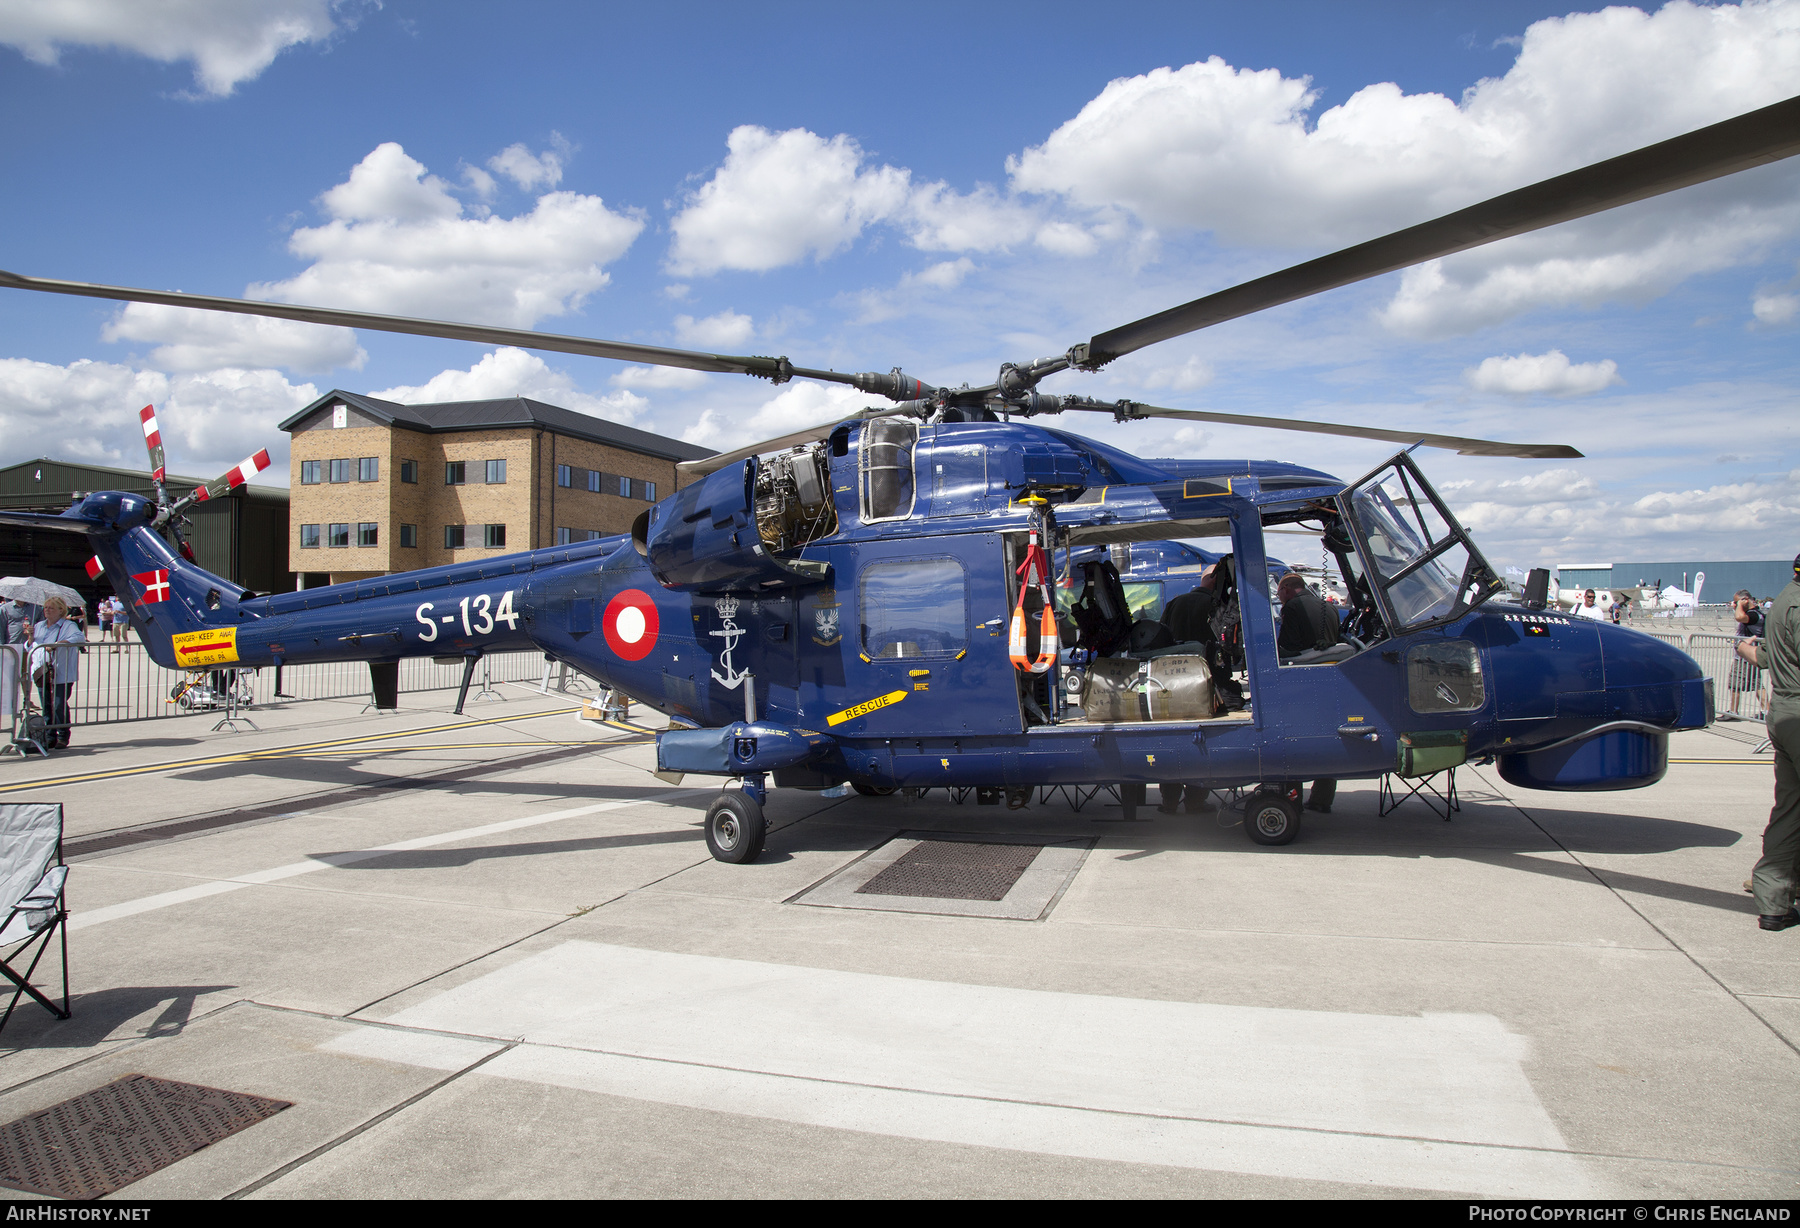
1755	139
1454	443
812	434
777	369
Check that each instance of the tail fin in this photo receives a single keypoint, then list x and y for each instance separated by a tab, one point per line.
164	594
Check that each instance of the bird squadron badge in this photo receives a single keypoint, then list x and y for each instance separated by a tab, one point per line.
825	619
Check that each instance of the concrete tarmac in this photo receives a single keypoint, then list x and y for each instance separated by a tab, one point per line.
488	956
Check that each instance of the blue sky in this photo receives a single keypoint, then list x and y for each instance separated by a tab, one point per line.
939	187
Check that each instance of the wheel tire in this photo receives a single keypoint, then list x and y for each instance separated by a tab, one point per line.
874	790
1270	818
735	829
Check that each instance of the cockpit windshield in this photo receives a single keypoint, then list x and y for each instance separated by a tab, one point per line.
1421	561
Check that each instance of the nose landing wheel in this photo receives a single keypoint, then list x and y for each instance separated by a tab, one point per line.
735	829
1272	818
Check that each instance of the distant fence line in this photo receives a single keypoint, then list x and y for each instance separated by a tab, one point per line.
119	682
1714	653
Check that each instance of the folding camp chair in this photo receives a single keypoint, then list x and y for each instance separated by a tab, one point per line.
32	875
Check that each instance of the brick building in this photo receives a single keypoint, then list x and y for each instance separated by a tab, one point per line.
378	487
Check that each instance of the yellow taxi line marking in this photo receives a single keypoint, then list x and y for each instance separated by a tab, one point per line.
244	756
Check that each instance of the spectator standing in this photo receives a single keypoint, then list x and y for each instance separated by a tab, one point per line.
103	612
121	621
14	627
1746	678
1587	608
1777	874
55	667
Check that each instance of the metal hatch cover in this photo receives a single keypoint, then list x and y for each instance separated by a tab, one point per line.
107	1138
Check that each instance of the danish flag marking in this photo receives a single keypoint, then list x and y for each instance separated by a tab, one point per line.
93	568
156	585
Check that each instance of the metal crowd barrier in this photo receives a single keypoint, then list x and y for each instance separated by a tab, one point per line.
1715	653
119	682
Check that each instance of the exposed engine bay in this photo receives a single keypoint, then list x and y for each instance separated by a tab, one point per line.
793	498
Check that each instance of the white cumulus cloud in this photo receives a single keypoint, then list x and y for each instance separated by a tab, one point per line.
192	340
1237	152
227	41
783	197
723	331
677	378
512	372
794	408
1775	308
1552	372
532	171
398	242
88	412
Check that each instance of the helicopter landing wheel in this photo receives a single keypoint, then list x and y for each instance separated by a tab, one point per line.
1272	818
735	828
874	790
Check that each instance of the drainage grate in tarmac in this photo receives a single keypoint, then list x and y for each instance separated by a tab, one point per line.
105	1139
954	870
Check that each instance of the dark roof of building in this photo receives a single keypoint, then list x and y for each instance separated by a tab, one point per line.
512	411
65	476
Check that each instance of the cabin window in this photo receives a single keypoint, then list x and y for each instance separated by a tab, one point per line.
493	535
887	469
496	473
453	473
368	469
368	534
309	473
914	608
453	537
309	537
338	535
409	537
340	470
409	472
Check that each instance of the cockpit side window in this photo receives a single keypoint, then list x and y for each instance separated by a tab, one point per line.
887	469
1419	559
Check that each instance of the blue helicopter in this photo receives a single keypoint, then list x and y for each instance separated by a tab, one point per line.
868	601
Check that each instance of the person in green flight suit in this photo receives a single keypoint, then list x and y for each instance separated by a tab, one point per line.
1776	878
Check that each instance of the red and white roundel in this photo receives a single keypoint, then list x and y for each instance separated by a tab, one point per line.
630	624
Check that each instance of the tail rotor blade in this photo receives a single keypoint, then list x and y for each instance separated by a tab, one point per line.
230	480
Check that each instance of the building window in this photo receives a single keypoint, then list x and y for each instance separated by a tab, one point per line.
338	535
624	485
650	491
593	481
409	536
368	469
594	535
340	470
309	537
453	473
564	536
565	476
309	474
367	534
496	473
493	535
453	537
409	472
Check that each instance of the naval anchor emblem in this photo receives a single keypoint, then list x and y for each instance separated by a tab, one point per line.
730	632
825	619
